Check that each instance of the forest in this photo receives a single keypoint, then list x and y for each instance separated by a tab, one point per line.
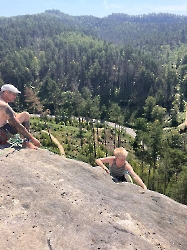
130	70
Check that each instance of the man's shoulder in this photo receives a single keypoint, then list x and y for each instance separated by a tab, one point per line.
2	101
5	107
4	104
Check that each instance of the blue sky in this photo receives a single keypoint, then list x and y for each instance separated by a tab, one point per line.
98	8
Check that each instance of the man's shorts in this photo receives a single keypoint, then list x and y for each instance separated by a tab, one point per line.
6	133
119	178
124	178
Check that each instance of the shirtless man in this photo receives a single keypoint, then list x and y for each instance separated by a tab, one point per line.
11	122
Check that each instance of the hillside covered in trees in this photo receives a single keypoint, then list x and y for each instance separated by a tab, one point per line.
131	70
67	58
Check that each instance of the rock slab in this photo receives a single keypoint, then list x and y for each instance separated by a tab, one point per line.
48	202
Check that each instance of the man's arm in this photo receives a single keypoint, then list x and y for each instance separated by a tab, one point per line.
135	176
101	161
18	126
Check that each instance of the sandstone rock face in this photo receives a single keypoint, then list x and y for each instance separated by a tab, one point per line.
48	202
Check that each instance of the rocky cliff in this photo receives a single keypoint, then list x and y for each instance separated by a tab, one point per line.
48	202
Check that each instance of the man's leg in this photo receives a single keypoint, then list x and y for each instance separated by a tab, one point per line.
6	132
24	119
3	136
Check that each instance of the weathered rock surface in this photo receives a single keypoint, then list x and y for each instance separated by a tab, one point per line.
48	202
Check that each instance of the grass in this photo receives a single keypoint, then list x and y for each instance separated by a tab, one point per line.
83	140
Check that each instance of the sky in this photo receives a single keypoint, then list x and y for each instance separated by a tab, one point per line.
97	8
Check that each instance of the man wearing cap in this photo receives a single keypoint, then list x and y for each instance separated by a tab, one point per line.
12	123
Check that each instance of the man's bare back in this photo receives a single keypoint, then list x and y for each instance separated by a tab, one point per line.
3	114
